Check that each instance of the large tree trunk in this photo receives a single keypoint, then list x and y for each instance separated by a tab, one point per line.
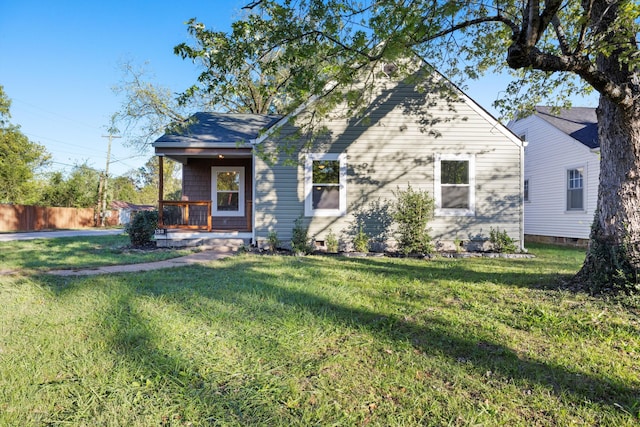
613	258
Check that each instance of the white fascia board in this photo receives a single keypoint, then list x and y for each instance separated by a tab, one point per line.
202	144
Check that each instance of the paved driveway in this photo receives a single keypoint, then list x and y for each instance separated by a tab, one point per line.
6	237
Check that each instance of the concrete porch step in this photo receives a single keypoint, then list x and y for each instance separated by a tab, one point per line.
221	241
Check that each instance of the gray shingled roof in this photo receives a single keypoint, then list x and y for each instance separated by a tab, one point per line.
580	123
217	128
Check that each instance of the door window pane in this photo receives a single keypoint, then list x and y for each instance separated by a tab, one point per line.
228	181
227	202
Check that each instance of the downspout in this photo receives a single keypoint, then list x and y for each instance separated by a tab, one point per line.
522	198
253	192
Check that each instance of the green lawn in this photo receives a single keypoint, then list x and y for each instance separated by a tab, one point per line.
75	252
268	340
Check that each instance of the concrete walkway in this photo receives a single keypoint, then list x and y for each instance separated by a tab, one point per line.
195	258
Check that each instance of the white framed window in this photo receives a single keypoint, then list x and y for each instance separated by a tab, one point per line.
227	191
325	177
575	189
455	182
526	190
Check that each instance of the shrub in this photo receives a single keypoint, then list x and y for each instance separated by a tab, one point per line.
501	241
412	211
331	242
361	241
273	241
299	238
142	228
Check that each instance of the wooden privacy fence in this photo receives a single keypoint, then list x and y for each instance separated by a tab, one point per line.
33	218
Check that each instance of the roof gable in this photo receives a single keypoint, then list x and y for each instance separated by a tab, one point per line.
218	128
580	123
224	129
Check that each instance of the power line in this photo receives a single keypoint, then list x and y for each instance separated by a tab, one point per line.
103	186
55	114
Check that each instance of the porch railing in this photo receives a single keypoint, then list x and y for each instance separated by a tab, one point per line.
194	215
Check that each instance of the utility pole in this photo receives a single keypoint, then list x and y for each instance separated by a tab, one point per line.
103	195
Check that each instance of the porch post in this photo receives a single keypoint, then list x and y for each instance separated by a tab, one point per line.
160	189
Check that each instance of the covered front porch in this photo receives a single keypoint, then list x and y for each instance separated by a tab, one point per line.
216	153
216	201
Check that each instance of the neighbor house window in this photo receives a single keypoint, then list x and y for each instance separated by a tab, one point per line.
526	190
454	185
575	189
325	185
227	188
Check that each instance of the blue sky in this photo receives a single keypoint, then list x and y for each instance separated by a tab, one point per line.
59	61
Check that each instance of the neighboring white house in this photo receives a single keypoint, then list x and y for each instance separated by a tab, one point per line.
561	173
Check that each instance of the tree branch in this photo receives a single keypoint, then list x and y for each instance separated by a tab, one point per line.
587	6
521	57
253	4
484	20
562	38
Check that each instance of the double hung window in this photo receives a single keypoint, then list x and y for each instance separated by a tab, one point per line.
325	185
454	185
575	189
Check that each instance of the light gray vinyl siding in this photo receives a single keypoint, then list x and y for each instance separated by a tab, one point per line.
548	156
390	150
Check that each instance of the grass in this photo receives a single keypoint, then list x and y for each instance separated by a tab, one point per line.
269	340
75	252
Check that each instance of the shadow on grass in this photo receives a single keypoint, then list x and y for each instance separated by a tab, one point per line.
245	278
132	341
519	271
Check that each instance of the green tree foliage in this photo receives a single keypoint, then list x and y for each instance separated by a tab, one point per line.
335	48
77	190
123	188
147	180
237	76
20	159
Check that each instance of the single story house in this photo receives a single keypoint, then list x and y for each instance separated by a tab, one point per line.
561	173
250	176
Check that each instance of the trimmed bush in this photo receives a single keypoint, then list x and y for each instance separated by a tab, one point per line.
413	210
142	228
300	242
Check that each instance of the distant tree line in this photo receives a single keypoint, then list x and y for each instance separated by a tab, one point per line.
24	181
